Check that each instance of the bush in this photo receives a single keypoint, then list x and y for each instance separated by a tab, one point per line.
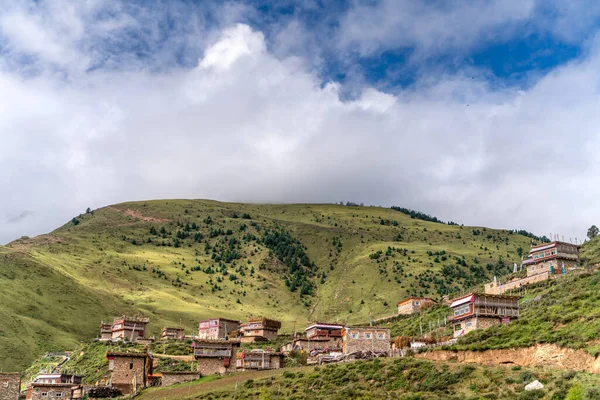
104	392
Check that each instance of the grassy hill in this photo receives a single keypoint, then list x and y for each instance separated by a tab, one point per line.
404	378
564	312
178	261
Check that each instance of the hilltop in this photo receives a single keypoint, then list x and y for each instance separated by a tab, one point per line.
178	261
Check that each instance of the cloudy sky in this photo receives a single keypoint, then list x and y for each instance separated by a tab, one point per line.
480	112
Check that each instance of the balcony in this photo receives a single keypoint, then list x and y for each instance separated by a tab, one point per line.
204	352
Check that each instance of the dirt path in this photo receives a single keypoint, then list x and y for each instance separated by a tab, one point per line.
137	215
193	390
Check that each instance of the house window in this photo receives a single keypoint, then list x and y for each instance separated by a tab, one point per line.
547	253
58	394
535	257
554	251
468	324
367	336
381	336
130	365
354	335
417	303
5	384
464	309
44	394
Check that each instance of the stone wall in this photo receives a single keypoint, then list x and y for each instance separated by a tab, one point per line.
171	378
540	276
364	343
406	308
10	385
123	371
65	390
216	365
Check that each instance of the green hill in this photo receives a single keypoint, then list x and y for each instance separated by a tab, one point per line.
178	261
400	378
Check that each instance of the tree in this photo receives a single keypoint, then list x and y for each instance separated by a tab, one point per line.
593	232
88	211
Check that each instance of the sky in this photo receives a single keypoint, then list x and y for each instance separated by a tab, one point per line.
483	112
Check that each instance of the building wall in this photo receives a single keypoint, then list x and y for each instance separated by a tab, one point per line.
361	343
474	323
406	308
216	365
36	392
171	378
276	361
492	288
123	371
10	385
544	266
413	306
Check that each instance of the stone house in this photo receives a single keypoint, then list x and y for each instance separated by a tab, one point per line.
545	261
171	378
217	328
129	371
315	345
124	328
323	330
215	356
46	391
413	305
366	338
172	333
258	359
555	257
106	330
479	311
58	378
10	385
259	329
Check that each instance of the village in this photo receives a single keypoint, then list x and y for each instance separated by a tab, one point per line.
224	346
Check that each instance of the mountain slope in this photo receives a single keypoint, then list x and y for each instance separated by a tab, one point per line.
178	261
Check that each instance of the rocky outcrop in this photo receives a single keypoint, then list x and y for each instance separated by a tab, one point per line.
544	355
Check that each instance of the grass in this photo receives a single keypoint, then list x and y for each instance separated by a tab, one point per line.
403	378
57	287
564	312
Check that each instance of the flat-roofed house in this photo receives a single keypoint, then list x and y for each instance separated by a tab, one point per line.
129	371
217	328
366	338
323	330
46	391
172	333
413	305
215	356
258	359
479	311
554	257
259	329
129	328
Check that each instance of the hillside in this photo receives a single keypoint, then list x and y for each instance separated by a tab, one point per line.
403	378
564	312
178	261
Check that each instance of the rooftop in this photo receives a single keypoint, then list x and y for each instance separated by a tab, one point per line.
126	354
415	298
550	245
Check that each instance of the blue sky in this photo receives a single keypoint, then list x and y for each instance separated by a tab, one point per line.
462	109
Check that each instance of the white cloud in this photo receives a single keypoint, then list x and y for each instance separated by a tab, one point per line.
245	125
430	27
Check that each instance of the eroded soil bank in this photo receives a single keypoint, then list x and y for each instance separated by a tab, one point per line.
542	355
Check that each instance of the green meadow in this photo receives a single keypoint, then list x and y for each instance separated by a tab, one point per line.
179	261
